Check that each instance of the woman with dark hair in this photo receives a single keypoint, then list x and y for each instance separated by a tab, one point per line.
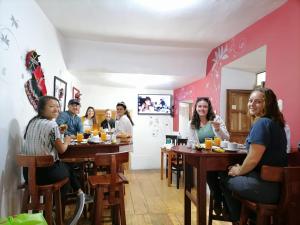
42	137
147	105
89	120
205	124
266	145
124	122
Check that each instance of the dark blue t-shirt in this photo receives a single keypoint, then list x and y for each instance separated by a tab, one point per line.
269	133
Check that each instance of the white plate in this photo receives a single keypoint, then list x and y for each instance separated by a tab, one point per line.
232	150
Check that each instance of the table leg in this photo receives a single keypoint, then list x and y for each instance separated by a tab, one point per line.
161	164
187	188
169	168
201	191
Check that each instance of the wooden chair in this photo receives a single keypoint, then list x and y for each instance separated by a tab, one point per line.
285	212
33	191
177	161
109	188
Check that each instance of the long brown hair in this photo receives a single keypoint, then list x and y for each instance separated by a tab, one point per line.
93	117
271	109
122	104
195	123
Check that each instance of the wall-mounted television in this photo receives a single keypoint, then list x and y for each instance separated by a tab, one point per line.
159	104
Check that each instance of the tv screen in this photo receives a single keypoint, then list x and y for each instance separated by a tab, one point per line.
159	104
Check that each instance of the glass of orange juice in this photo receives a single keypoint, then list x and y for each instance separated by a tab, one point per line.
95	132
87	130
208	143
79	137
217	141
103	136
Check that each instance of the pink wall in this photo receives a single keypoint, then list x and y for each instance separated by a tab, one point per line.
280	32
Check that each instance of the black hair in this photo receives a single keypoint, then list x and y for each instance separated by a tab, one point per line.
122	104
41	107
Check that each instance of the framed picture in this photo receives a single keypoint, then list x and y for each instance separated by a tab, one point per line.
60	92
154	104
76	93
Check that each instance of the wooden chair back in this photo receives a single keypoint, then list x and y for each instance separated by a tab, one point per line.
33	191
174	138
182	141
109	188
33	162
289	202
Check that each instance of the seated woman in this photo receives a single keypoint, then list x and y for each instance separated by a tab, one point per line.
205	124
266	145
89	120
42	137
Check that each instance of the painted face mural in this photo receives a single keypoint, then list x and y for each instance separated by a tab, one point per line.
34	87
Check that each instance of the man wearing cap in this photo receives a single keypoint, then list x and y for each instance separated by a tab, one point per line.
71	118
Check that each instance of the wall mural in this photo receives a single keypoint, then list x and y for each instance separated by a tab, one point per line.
9	45
210	85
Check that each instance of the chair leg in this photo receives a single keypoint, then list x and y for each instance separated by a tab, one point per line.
98	206
245	212
25	200
48	202
58	208
122	207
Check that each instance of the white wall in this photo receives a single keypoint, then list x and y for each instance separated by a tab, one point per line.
34	32
234	79
148	132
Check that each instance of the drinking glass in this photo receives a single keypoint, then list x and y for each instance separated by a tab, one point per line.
217	141
103	136
79	137
208	143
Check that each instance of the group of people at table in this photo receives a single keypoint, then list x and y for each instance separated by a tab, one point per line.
43	136
266	144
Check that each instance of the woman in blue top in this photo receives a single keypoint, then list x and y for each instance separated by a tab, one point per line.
266	145
205	124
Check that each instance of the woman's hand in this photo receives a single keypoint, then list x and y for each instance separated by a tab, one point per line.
216	125
234	170
67	140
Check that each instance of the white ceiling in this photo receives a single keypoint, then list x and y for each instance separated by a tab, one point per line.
105	38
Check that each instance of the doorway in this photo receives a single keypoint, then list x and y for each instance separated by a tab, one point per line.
238	120
185	115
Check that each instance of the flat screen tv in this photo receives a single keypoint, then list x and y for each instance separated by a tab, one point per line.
154	104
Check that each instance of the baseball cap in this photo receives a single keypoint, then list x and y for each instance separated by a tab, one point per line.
74	101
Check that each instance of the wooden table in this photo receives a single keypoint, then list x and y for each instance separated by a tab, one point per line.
169	154
203	161
88	151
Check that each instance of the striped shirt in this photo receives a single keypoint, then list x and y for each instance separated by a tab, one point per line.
40	138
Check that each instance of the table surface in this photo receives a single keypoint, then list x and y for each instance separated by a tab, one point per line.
203	161
88	151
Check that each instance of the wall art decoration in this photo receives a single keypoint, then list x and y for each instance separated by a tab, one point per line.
60	92
76	93
35	87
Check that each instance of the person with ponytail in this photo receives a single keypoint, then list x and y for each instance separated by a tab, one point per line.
124	122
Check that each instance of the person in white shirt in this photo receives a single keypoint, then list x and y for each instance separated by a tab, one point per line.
124	122
89	120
